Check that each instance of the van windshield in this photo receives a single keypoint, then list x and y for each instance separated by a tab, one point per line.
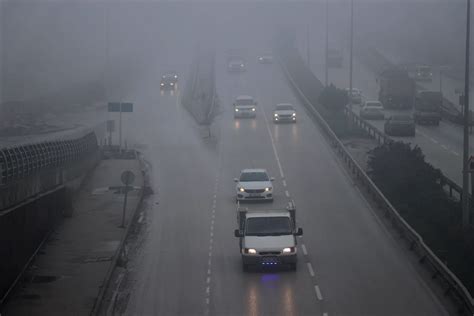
268	226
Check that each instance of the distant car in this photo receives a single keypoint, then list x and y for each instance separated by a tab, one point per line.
236	65
254	184
400	125
284	112
372	110
356	95
265	59
169	81
423	73
245	106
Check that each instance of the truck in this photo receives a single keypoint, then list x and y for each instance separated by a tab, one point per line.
428	107
267	237
396	88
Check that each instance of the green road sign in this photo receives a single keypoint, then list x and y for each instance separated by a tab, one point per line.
115	107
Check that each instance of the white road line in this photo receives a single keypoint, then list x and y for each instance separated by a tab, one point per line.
284	183
310	268
208	290
444	147
434	140
318	293
273	145
207	300
457	154
208	280
325	314
209	271
287	193
305	252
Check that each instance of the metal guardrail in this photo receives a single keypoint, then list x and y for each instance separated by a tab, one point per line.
22	161
415	241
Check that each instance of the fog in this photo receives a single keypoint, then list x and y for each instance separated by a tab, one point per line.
94	48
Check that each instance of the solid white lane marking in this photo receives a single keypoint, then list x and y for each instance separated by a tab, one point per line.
284	183
287	193
305	252
310	268
318	293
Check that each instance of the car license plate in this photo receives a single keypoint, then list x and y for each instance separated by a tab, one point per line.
254	195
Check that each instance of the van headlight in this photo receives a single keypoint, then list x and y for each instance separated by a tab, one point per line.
268	189
236	110
289	249
294	114
275	115
253	109
250	251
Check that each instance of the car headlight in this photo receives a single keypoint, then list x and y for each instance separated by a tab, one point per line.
268	189
241	189
250	251
162	84
236	110
242	65
288	249
175	77
171	84
275	115
253	109
294	114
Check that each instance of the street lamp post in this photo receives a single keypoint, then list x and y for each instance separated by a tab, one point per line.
465	175
350	57
326	68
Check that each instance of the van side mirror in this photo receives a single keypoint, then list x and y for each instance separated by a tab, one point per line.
272	179
237	233
236	180
299	232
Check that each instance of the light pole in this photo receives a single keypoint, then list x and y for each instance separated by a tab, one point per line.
465	156
350	53
326	68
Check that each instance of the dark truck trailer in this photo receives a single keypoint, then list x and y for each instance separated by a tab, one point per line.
428	107
396	89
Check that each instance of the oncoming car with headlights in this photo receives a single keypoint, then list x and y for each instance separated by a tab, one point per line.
267	238
169	81
254	184
284	112
245	106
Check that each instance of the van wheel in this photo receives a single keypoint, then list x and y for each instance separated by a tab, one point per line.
292	266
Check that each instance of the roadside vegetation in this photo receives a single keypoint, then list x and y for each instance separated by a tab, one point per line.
413	186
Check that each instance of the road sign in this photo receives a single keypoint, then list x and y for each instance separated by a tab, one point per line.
110	126
115	107
470	164
127	177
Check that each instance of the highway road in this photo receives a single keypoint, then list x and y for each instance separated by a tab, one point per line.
441	144
188	261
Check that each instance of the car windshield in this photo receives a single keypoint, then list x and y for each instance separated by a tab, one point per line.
284	107
401	118
244	102
253	176
268	226
373	105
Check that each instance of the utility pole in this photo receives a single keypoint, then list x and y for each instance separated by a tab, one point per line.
326	69
350	58
465	156
308	46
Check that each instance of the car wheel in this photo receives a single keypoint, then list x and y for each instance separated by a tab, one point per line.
245	267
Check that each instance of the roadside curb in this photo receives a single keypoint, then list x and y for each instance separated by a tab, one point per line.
120	249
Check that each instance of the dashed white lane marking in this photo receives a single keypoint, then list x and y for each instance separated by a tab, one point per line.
434	140
305	252
273	145
310	268
325	314
318	293
444	147
208	280
287	193
284	183
455	153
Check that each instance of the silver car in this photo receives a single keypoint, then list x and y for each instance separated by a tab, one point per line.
254	184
